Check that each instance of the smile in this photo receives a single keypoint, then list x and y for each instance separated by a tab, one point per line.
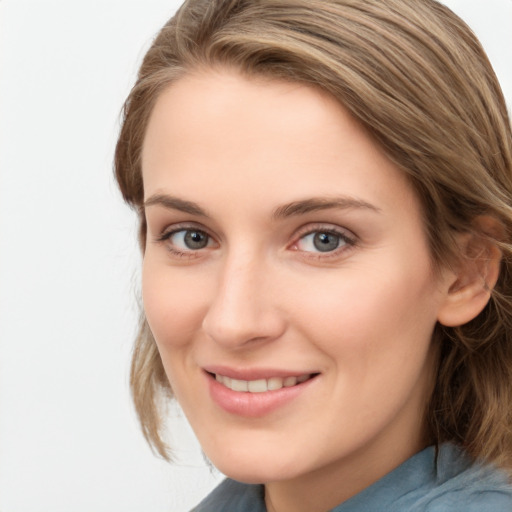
261	385
260	393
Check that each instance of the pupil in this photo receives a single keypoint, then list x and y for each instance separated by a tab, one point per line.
325	242
196	239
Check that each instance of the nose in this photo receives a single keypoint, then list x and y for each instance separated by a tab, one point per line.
244	310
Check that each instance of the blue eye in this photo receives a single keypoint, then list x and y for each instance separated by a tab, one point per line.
188	239
321	241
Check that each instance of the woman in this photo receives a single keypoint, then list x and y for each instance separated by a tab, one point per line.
324	191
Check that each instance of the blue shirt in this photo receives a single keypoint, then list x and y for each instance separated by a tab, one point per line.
453	483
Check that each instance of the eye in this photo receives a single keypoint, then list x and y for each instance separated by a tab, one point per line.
322	241
183	240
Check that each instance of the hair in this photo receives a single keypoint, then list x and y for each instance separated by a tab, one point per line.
417	78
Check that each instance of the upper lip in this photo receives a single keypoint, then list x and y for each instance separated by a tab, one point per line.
254	373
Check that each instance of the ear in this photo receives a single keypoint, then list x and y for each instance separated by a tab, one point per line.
469	285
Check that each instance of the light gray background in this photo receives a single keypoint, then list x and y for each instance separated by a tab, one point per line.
69	440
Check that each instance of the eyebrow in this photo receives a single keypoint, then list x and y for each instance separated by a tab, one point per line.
294	208
175	203
315	204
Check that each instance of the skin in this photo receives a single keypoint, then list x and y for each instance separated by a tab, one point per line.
224	154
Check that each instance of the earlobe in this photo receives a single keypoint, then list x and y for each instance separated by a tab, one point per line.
469	287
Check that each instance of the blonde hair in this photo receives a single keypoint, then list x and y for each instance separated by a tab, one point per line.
415	75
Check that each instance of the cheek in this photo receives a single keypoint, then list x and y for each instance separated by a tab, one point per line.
372	314
173	306
376	332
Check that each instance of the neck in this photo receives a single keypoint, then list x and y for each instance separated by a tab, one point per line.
328	487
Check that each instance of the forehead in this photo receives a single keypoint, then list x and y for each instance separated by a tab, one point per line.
219	130
225	98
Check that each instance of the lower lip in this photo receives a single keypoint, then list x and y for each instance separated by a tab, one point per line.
253	405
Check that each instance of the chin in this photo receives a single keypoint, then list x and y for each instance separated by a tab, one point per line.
256	469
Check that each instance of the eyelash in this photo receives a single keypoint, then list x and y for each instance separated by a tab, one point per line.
165	236
348	241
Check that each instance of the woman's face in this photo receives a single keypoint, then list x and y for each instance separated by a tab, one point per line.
287	281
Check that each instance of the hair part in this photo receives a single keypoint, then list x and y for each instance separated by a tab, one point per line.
417	78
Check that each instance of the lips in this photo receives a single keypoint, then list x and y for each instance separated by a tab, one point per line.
256	393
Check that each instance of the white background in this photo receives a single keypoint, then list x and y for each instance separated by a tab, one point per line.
69	440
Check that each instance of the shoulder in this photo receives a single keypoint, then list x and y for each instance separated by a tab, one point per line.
447	482
463	486
232	496
470	500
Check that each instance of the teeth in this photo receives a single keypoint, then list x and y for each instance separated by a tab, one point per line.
289	382
239	385
274	383
257	386
260	385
